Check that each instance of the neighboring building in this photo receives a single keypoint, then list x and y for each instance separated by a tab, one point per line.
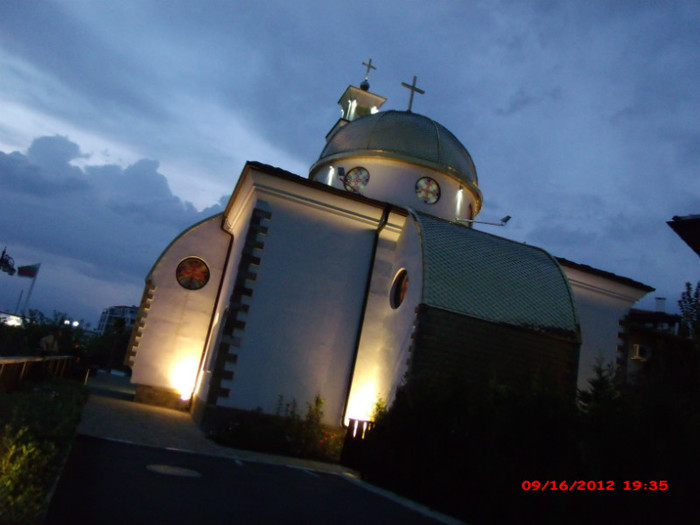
114	314
350	282
602	300
9	319
647	335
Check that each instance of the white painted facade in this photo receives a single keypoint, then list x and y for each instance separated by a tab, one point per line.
304	313
169	348
307	295
601	303
393	181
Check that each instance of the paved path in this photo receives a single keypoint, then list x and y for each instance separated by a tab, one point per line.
135	463
110	414
111	483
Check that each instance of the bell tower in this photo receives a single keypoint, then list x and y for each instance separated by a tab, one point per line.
358	102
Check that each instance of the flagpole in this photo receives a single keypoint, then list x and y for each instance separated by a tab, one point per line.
31	288
21	292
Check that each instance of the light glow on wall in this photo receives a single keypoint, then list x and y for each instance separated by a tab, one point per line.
331	174
361	402
183	376
460	200
352	108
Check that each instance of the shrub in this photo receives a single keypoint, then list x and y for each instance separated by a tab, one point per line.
285	433
42	419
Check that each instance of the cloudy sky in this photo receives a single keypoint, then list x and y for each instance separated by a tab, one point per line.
121	123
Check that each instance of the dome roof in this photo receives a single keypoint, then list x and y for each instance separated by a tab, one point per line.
402	135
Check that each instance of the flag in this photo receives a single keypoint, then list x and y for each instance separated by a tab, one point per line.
28	271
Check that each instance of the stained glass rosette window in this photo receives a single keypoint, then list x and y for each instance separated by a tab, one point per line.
192	273
428	190
356	179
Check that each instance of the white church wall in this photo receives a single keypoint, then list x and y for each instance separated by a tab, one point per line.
301	328
409	255
386	340
236	223
171	342
600	304
395	182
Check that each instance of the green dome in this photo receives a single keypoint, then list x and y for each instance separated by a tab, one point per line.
405	136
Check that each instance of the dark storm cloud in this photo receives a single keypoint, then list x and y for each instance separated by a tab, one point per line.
27	173
115	220
582	117
48	36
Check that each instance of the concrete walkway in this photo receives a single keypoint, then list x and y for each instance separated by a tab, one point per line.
111	414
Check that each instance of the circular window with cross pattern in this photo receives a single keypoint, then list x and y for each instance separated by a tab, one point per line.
356	179
428	190
192	273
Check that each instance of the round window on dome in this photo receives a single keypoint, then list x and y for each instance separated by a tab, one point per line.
428	190
356	179
399	288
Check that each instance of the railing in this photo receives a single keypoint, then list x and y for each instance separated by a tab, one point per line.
15	369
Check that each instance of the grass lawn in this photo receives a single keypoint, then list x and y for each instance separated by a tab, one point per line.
37	427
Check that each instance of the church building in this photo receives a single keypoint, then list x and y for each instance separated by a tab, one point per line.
349	282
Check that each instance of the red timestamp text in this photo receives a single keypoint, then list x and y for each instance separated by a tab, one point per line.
591	485
651	486
567	486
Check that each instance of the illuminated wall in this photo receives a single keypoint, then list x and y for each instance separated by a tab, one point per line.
602	301
395	181
387	329
296	325
173	322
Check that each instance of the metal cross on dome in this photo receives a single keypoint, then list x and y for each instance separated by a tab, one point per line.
413	89
369	66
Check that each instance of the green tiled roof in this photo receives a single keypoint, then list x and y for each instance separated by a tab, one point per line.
495	279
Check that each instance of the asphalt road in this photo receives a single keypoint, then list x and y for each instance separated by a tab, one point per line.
107	482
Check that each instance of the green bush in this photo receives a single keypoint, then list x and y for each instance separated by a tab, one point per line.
467	449
286	433
41	422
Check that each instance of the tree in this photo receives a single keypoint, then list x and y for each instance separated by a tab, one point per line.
690	309
108	350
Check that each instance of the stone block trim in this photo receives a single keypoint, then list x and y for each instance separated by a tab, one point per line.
137	331
233	329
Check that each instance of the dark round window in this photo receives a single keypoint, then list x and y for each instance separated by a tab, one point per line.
398	288
192	273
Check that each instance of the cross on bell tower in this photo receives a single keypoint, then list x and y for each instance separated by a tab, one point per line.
413	89
365	83
358	102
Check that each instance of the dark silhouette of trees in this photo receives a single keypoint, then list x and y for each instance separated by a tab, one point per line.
689	304
466	449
